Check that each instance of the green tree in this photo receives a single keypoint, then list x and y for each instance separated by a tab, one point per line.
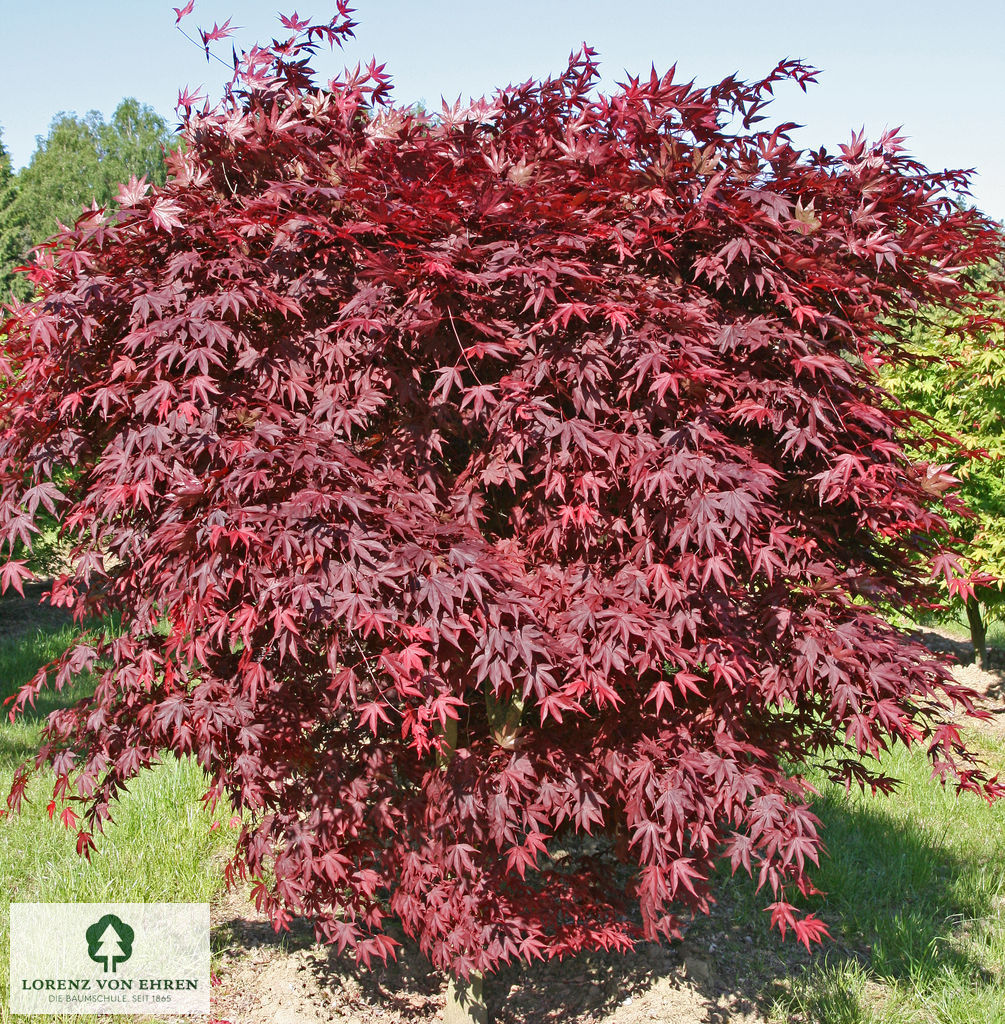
958	378
80	160
11	237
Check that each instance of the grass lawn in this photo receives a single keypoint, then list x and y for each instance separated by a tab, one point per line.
915	889
956	625
160	846
915	883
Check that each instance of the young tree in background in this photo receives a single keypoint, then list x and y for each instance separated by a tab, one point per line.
953	370
506	488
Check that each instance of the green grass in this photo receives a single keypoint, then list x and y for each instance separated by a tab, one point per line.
160	846
916	883
955	623
915	902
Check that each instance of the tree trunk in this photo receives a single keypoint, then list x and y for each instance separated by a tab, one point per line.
466	1001
978	632
449	734
504	718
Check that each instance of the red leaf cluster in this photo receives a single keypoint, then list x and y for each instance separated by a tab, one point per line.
374	427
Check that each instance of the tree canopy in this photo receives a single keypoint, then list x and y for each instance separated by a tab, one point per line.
12	251
500	505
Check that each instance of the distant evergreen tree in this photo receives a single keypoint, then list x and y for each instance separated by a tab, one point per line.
80	160
12	237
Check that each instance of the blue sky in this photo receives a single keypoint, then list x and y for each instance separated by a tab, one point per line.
935	68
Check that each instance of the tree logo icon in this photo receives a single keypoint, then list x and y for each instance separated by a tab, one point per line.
109	942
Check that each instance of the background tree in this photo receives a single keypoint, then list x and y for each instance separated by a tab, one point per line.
12	238
82	159
516	517
955	373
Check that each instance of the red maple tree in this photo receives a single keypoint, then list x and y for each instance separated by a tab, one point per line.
466	484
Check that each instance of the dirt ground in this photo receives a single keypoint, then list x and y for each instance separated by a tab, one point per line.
296	981
990	684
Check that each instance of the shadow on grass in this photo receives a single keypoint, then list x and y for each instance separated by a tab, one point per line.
896	889
21	615
893	905
30	636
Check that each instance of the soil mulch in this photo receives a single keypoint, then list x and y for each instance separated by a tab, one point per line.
293	980
989	683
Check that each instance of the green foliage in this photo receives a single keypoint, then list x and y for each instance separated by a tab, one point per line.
11	235
82	159
958	379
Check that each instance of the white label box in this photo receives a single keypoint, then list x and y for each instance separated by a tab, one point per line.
122	958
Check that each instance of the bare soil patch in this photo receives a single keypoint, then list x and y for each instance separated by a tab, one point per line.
292	979
989	683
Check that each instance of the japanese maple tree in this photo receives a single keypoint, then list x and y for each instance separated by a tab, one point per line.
464	484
